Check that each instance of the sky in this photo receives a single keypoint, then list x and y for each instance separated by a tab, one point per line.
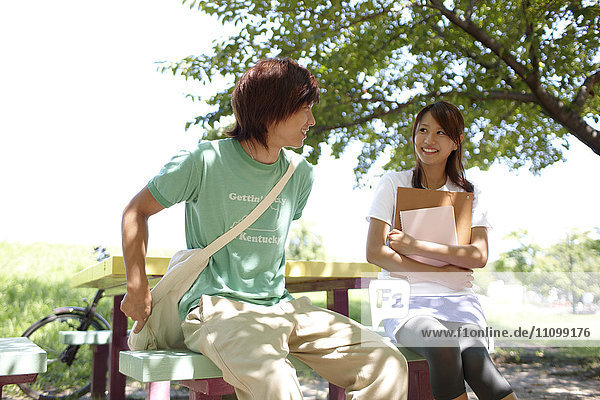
86	119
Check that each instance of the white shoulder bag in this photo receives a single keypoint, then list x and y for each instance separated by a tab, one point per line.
163	327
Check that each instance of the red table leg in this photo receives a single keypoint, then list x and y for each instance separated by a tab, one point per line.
99	368
207	389
13	379
418	381
116	389
337	300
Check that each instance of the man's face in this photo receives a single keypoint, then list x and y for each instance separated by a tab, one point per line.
292	131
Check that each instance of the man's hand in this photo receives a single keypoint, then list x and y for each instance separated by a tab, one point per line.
401	242
137	307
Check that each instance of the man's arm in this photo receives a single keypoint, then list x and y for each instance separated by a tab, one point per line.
137	303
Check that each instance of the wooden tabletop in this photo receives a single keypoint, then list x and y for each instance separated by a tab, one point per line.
109	274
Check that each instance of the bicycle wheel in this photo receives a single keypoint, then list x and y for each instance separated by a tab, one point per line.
60	380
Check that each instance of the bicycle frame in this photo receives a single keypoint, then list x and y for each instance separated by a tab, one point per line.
89	312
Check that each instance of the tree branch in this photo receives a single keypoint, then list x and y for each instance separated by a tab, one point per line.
586	90
366	18
499	95
378	113
466	52
529	35
554	107
375	100
470	9
469	27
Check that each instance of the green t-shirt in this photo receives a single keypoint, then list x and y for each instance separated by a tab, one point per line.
220	185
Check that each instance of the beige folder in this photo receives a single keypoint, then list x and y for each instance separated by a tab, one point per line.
413	199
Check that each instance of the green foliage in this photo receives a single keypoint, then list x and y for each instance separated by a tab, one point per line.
572	265
519	259
516	68
304	244
578	252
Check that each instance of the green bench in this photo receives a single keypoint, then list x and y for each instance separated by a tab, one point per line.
85	337
192	370
205	381
20	361
100	342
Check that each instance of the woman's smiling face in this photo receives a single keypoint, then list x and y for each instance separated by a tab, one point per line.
432	144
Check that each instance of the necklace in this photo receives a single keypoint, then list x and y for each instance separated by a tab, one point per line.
249	150
426	184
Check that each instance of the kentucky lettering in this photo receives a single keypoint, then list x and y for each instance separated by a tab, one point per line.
260	239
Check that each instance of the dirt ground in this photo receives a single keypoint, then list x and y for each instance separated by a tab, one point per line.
551	377
541	382
531	380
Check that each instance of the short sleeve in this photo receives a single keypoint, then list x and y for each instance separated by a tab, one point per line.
480	212
306	188
384	201
177	181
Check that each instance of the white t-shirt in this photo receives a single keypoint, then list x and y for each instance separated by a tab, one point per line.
384	208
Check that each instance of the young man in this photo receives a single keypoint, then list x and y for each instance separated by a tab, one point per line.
238	312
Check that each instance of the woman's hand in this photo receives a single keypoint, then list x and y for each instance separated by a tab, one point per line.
453	277
401	243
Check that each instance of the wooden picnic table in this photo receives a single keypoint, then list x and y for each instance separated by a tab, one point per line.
20	361
335	278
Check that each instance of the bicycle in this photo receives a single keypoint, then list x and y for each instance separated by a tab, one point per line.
69	366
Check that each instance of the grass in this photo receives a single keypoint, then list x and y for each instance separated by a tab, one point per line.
549	325
36	278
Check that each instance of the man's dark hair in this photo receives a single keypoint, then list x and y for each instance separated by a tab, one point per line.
269	93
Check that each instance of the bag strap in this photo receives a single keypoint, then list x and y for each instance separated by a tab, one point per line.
265	203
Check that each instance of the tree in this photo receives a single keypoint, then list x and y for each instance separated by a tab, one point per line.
571	265
524	72
521	258
576	254
304	244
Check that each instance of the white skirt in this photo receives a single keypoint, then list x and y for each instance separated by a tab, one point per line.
463	308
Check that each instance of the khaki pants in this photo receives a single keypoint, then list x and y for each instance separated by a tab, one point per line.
249	343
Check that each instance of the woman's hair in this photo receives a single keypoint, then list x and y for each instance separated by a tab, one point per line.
269	93
451	120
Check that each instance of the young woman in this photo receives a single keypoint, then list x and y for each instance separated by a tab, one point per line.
441	297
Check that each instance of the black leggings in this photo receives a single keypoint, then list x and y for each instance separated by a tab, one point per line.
454	361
